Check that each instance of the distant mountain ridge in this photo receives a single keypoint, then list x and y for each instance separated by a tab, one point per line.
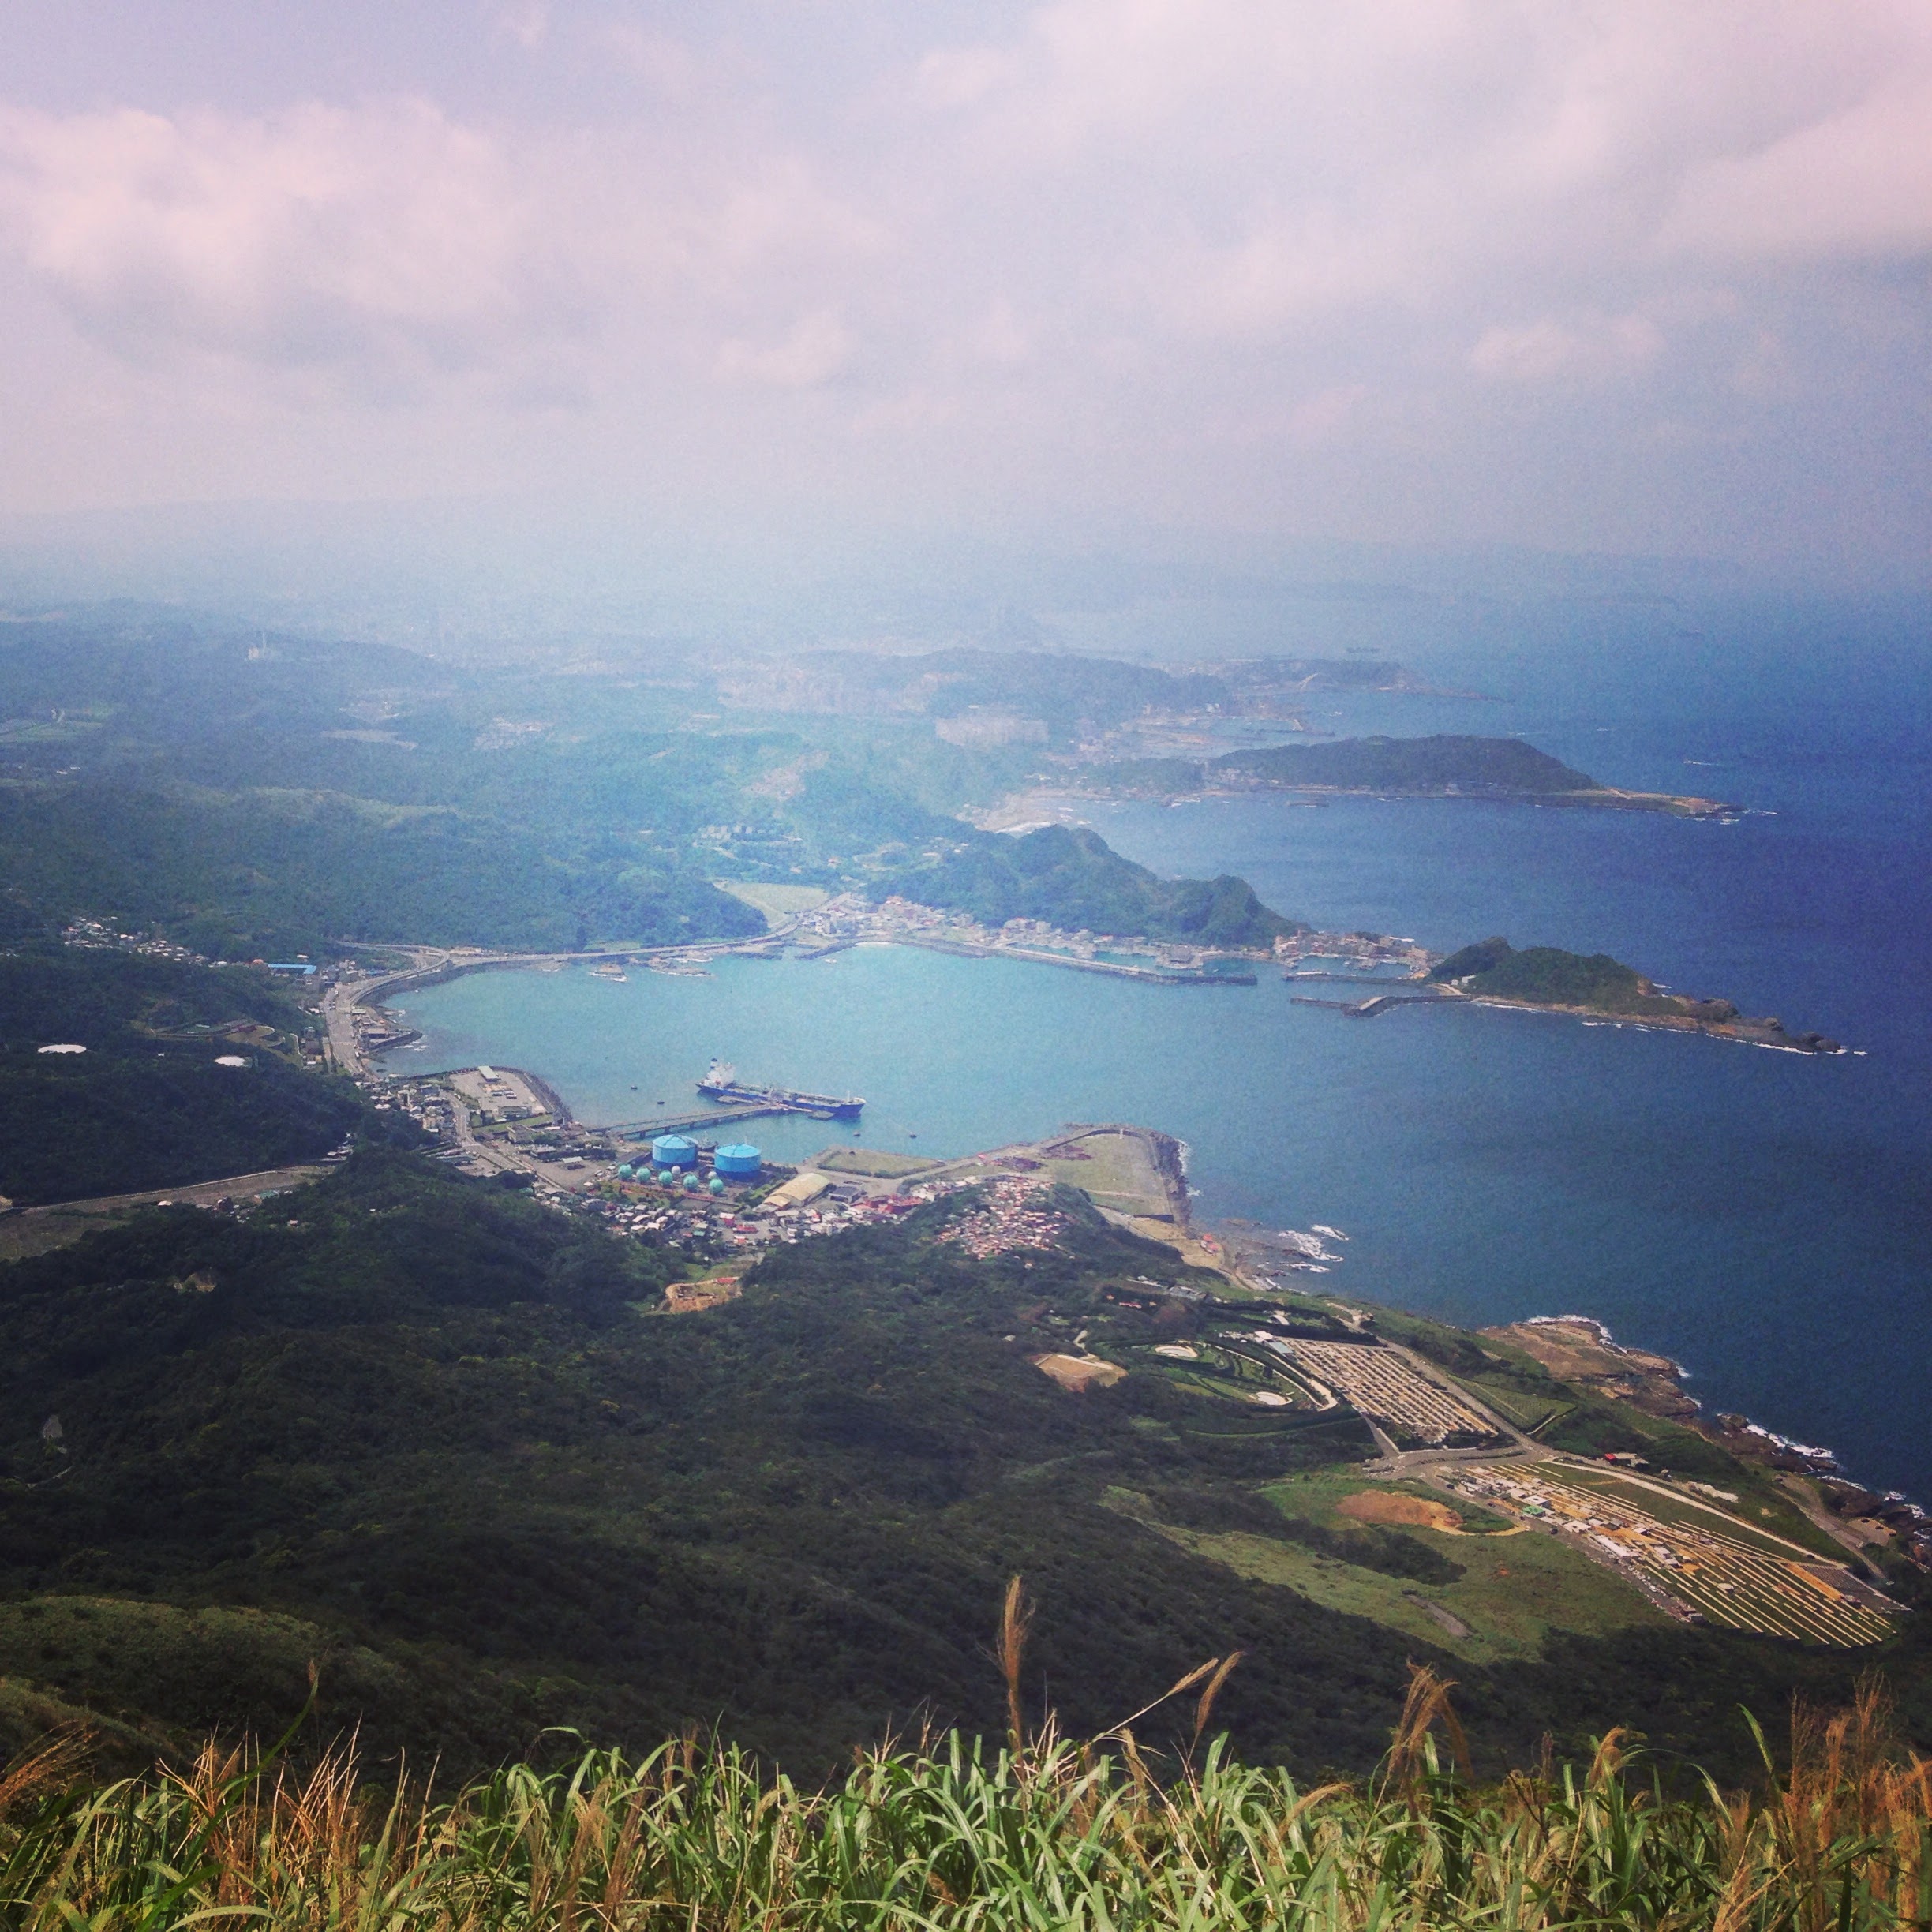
1503	767
1378	764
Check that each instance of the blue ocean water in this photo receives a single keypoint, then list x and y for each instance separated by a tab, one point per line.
1762	1216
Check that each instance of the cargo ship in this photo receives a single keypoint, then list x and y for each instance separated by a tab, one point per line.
721	1083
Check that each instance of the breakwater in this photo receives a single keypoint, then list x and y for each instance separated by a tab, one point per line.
1368	1008
554	1102
1147	976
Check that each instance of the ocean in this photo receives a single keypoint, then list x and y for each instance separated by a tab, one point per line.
1763	1216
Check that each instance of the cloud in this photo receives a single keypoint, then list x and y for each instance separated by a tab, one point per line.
815	349
1539	351
961	76
387	234
1855	185
524	21
395	245
1290	260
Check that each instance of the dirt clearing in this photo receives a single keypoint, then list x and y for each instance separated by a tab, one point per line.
1385	1506
1079	1372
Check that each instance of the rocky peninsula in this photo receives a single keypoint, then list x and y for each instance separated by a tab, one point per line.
1446	765
1595	985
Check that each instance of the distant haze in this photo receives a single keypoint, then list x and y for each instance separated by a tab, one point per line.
1635	277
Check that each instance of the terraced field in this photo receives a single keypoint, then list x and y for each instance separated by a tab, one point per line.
1726	1574
1386	1387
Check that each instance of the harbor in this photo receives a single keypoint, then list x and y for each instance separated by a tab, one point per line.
1460	1213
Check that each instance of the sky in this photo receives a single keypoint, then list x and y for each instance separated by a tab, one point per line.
1626	277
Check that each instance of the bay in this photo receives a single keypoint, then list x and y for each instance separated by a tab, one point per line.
1765	1217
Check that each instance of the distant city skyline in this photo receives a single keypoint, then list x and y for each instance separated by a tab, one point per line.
1635	277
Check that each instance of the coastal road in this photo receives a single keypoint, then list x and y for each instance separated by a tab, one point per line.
54	1224
341	1001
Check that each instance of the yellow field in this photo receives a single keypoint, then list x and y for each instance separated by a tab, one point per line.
776	902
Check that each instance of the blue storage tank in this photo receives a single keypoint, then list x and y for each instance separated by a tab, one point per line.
737	1163
674	1150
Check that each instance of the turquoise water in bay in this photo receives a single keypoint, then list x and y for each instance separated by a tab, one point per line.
1766	1217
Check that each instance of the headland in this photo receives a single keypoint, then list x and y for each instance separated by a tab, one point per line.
1596	986
1501	769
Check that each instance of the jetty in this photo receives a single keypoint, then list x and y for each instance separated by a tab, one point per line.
1368	1008
668	1122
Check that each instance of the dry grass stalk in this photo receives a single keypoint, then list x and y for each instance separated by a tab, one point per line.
943	1837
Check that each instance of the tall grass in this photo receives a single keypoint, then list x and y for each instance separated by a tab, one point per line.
1041	1831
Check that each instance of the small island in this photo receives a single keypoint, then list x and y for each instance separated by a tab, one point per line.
1551	980
1446	765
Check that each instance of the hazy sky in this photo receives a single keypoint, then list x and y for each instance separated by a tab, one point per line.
1619	276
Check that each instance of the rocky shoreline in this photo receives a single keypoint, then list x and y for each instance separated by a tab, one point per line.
1580	1350
1749	1031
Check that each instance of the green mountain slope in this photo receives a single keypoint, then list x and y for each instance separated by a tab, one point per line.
1071	878
1433	764
1496	767
443	1435
148	1105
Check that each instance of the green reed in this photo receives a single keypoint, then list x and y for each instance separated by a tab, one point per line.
1038	1833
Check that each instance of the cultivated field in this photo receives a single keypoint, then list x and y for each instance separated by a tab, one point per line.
1386	1388
776	902
1719	1570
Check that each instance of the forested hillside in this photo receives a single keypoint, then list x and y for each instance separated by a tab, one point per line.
443	1440
148	1102
1069	876
1434	764
1496	767
257	798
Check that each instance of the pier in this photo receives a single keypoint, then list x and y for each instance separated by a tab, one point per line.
668	1122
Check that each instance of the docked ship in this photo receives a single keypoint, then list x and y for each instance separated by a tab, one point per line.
721	1083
